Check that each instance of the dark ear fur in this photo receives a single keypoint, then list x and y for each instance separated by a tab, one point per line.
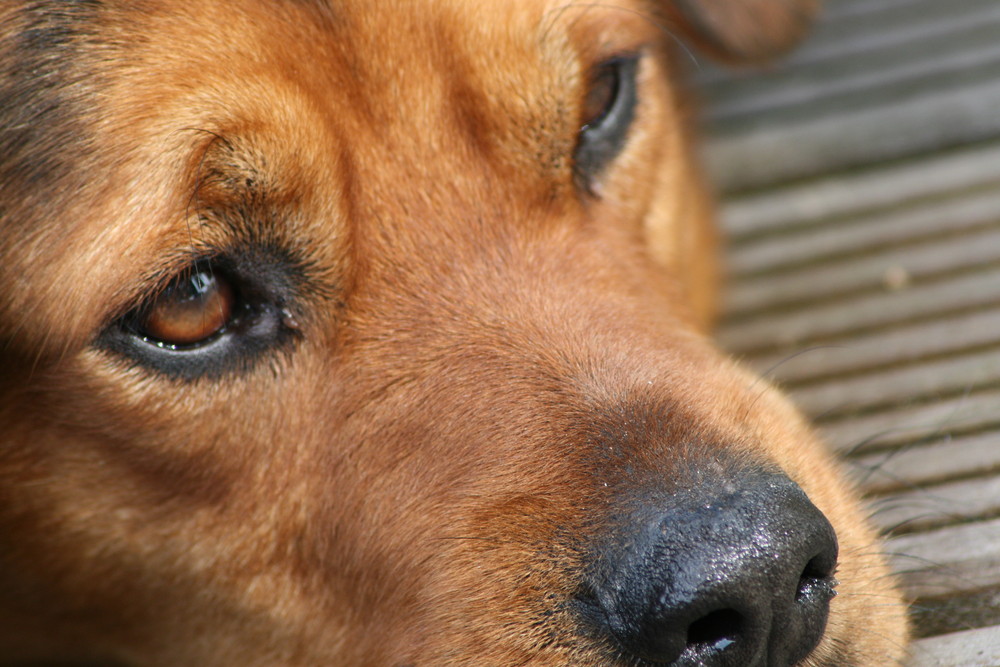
741	31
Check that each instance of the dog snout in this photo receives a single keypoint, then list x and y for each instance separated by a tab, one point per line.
734	574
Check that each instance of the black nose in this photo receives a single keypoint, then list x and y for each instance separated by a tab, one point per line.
737	572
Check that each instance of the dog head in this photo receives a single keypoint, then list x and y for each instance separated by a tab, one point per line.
373	333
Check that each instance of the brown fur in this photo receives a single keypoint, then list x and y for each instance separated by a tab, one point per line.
480	355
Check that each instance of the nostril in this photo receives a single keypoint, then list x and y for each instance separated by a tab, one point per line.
714	631
817	575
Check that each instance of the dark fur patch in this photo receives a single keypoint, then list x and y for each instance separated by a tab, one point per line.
44	83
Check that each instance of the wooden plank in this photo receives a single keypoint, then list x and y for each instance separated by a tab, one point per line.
860	81
869	30
836	197
956	613
953	574
898	386
771	93
911	423
834	322
930	463
953	544
834	11
948	561
890	26
891	347
939	505
894	129
865	234
975	648
854	275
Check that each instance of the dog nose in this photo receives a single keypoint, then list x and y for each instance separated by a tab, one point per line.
741	576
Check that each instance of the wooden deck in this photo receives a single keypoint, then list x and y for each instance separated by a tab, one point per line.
862	189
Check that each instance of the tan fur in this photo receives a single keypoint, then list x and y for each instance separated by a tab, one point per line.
399	487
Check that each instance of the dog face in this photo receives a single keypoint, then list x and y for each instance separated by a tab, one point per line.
372	333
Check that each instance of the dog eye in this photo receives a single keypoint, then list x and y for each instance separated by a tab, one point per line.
192	310
222	315
607	112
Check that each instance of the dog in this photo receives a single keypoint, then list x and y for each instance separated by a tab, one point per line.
377	333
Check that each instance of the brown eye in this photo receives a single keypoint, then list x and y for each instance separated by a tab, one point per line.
223	314
191	310
601	95
607	111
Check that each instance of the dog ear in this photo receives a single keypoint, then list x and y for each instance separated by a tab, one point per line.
741	31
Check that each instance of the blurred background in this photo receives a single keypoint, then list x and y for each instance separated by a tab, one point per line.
861	181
